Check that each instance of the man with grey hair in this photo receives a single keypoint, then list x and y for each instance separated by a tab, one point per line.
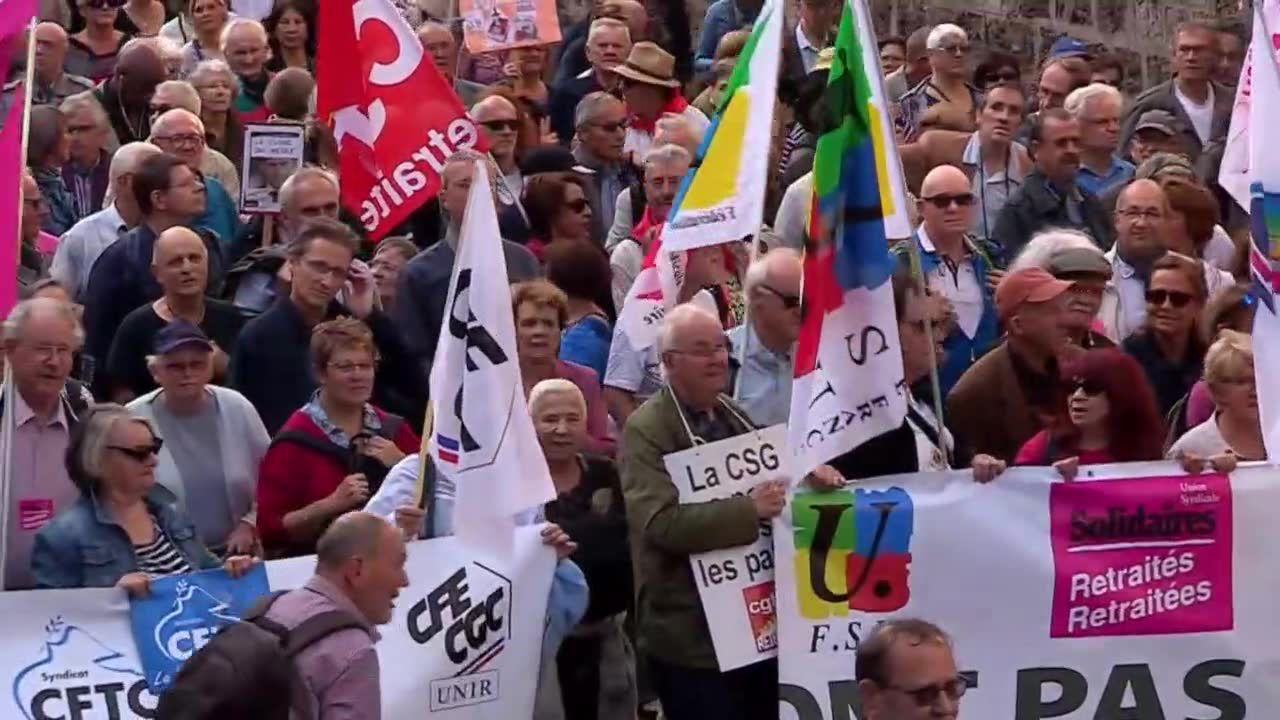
424	282
52	83
180	94
41	338
84	242
608	42
948	84
86	173
442	46
360	569
181	133
1097	107
245	46
763	347
601	127
633	232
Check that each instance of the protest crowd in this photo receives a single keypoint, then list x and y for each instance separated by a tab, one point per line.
197	386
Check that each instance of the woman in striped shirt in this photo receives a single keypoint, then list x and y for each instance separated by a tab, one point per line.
125	529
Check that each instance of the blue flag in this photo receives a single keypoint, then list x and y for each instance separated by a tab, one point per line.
183	612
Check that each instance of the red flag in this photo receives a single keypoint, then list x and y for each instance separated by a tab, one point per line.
395	119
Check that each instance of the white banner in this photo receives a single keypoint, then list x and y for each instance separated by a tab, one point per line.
1148	595
736	584
464	643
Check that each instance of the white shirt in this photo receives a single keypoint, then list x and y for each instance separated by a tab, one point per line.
961	286
80	247
252	9
1201	115
639	142
1124	302
1204	440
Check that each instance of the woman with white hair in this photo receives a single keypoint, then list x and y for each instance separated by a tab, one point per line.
1235	429
217	87
124	530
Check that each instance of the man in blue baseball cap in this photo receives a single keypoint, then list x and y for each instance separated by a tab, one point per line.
1067	46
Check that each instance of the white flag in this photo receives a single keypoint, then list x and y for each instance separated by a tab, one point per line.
483	437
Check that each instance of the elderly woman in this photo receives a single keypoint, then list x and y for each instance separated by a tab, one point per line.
331	454
581	271
540	310
124	530
215	440
1071	255
558	211
1235	428
208	18
291	35
1168	346
48	149
388	261
216	84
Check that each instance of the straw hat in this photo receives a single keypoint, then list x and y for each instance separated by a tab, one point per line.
649	64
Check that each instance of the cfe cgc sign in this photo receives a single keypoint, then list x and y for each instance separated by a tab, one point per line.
735	584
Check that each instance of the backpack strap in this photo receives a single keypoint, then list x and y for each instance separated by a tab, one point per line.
317	628
260	607
311	442
391	425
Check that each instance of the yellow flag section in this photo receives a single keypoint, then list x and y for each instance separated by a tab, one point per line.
722	198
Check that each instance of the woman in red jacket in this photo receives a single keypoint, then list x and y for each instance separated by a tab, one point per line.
331	454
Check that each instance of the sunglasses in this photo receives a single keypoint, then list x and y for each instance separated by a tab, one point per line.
1174	298
790	302
613	126
142	452
928	695
501	124
1090	387
954	49
942	202
1007	76
578	205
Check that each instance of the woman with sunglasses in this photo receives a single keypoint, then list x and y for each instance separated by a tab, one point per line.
1235	429
125	529
1107	414
92	52
291	35
1169	347
996	68
558	211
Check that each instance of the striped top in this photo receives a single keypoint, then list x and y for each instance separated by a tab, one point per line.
160	557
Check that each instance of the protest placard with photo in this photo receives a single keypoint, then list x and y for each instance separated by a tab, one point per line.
490	25
272	152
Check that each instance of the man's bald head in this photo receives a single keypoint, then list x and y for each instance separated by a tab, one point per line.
946	204
139	68
944	179
685	319
51	32
1141	211
354	535
493	107
1141	191
177	240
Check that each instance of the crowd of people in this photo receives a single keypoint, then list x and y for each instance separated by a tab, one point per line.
197	388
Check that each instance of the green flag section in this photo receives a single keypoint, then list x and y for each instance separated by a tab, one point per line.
722	198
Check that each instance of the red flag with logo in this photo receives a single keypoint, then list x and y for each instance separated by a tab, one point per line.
394	117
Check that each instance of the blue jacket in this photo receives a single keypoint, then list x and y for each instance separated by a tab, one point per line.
723	16
220	214
960	350
85	547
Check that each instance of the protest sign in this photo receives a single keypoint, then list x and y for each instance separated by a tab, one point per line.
1145	595
464	636
183	612
489	25
735	584
272	152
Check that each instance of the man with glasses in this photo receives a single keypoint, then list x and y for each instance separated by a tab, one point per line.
1141	212
271	364
601	122
948	47
906	670
41	337
764	348
958	272
180	133
180	94
86	173
498	122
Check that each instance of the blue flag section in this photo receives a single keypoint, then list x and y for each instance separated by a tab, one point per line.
183	612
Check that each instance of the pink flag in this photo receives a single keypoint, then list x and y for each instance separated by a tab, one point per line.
10	192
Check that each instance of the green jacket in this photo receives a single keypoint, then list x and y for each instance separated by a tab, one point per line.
670	624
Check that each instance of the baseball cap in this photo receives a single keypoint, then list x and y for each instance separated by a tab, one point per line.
1079	261
1033	285
1161	120
180	334
549	159
1067	46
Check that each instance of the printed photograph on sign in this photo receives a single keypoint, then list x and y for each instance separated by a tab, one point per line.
490	25
272	152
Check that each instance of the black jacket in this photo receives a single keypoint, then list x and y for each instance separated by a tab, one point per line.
1035	207
1163	97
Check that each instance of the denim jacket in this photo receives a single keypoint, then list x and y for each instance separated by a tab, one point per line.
85	547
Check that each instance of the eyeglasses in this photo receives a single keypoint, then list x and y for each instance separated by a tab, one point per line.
1006	76
790	302
957	50
942	202
1090	387
578	205
501	125
140	453
613	126
1173	297
928	695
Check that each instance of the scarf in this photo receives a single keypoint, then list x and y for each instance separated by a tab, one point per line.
675	106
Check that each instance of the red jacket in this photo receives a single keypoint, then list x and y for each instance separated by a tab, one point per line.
293	475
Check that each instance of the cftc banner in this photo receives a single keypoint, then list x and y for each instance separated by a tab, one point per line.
465	635
1139	593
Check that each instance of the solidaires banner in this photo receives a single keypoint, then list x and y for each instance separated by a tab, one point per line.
1138	593
463	644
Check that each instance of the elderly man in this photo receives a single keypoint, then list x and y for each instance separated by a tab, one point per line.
125	96
169	194
664	169
1141	213
245	46
86	174
496	117
1011	392
440	44
180	94
906	670
957	270
424	282
651	92
41	337
608	43
1050	196
947	84
1097	108
915	68
181	133
1157	131
573	60
601	128
84	242
52	84
1070	255
1202	106
271	364
180	265
763	348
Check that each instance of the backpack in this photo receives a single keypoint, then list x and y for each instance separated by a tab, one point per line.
374	472
247	670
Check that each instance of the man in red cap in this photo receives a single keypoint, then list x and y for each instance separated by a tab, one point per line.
1008	395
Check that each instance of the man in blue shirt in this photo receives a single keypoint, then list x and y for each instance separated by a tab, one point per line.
1097	107
763	348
